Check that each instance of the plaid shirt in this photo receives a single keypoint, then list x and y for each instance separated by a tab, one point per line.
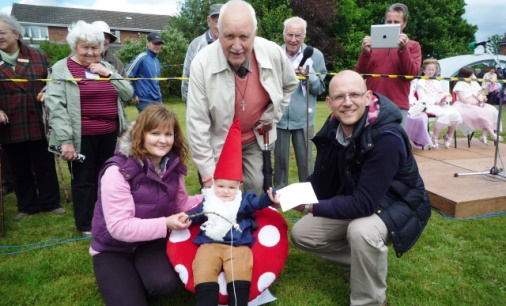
19	99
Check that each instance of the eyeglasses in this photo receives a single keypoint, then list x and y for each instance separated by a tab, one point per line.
354	96
296	36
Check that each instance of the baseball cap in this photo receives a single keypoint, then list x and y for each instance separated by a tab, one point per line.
155	37
215	9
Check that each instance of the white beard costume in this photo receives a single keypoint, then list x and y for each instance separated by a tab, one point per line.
216	227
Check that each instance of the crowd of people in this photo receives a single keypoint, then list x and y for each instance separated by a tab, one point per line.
128	179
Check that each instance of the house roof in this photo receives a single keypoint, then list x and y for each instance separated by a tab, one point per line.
65	16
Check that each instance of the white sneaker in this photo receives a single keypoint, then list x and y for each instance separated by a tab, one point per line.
495	137
483	139
448	141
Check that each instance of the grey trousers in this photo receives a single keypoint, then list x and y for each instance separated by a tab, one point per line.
282	155
359	244
252	163
404	113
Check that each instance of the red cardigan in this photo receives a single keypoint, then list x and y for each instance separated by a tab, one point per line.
393	62
19	99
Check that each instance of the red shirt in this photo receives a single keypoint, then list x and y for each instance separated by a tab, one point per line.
255	99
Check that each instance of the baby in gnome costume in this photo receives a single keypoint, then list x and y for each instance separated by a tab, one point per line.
225	236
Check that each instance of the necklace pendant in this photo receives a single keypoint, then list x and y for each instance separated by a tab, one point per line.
243	104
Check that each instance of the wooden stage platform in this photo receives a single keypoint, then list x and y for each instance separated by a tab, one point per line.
463	196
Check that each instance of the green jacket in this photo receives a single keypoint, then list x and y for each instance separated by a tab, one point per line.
63	101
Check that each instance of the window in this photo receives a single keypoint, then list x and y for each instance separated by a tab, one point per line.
35	32
117	33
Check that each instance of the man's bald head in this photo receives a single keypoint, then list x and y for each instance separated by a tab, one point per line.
350	76
238	8
348	99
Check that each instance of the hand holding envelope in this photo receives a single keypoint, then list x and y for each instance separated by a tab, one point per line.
296	194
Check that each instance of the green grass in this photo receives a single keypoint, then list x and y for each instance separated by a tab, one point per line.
455	262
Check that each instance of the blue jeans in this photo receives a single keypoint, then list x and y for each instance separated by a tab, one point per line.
142	105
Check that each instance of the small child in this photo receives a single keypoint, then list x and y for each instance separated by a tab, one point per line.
225	236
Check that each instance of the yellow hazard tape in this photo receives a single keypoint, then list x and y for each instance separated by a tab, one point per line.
372	75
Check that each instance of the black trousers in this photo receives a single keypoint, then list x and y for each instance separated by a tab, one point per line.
128	279
97	149
7	177
39	192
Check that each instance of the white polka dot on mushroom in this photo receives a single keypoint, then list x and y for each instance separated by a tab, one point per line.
183	273
268	236
265	280
179	236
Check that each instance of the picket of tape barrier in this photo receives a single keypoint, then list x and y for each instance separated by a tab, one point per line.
390	76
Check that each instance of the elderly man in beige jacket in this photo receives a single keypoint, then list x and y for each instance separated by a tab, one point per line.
243	77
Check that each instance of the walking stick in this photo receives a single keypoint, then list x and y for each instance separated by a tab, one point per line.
266	157
58	165
307	120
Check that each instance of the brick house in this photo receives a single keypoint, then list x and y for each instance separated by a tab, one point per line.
51	22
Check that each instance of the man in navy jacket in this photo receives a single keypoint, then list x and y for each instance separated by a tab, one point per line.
368	186
146	65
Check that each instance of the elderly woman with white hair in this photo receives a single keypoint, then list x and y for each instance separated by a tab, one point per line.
86	115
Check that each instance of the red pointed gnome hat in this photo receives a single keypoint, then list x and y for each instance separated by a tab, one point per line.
229	164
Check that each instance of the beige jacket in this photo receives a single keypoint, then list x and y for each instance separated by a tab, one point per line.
211	98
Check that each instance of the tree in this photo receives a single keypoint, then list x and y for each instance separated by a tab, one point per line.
54	50
438	26
171	57
270	16
337	27
192	18
320	17
496	39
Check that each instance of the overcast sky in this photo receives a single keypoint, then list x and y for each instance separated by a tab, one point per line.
488	15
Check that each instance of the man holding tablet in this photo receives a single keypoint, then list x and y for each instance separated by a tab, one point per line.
405	60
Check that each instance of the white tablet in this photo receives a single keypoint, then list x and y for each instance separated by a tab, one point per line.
385	36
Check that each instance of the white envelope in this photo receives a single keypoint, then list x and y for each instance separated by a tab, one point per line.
296	194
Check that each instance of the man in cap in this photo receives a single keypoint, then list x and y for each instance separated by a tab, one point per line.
109	38
200	42
145	65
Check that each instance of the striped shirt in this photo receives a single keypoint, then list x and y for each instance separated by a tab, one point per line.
99	106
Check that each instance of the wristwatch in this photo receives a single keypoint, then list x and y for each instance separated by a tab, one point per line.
306	209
